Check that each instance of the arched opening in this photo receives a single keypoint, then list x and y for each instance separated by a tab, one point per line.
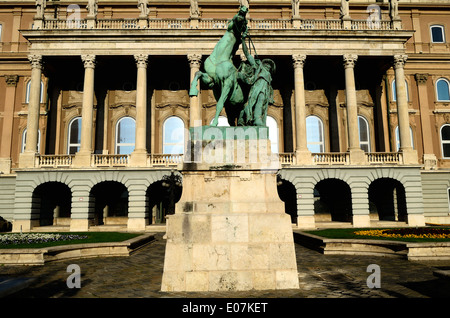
53	201
110	199
162	196
332	201
387	200
288	194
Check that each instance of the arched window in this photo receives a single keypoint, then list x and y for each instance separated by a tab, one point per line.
443	90
273	133
445	141
397	138
125	135
314	134
27	93
437	34
223	122
394	91
74	136
24	141
364	134
173	135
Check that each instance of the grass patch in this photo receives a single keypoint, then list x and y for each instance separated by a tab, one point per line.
398	234
87	237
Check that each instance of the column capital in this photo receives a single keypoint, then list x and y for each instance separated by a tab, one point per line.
11	80
299	60
195	59
35	60
421	78
88	60
141	60
350	60
400	60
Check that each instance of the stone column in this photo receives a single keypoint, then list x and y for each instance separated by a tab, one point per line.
8	118
409	155
429	158
83	156
303	155
195	112
27	158
356	154
139	155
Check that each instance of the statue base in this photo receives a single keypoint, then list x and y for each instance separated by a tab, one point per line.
229	231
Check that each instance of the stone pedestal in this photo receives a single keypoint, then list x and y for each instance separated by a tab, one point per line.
229	232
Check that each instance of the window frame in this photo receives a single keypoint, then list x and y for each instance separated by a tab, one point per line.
164	135
368	143
322	133
116	135
442	28
442	142
69	134
275	147
437	91
27	92
397	137
394	91
23	145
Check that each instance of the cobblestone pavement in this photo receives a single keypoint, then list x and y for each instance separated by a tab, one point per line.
320	276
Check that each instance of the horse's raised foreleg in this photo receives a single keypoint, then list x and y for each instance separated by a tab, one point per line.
204	78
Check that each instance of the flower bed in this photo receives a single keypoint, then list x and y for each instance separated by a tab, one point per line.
33	238
424	233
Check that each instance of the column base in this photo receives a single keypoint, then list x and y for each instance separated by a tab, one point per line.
416	220
361	220
79	225
303	157
27	160
409	156
82	159
306	222
357	157
138	158
137	224
24	225
5	165
430	161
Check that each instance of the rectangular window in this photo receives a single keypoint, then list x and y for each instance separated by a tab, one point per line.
437	34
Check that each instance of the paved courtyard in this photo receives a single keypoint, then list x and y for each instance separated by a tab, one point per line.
320	276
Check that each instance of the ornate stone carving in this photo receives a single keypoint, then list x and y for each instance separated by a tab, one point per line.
295	8
88	60
350	60
195	11
400	60
40	8
143	7
345	10
141	60
92	8
393	9
299	60
35	60
195	60
421	78
11	80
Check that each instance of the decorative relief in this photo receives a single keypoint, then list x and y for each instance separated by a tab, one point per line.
35	60
141	60
88	60
11	80
298	60
195	60
400	60
421	78
350	60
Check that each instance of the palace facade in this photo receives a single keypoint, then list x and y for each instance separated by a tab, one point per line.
94	104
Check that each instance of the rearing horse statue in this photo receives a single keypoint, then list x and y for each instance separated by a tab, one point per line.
220	73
